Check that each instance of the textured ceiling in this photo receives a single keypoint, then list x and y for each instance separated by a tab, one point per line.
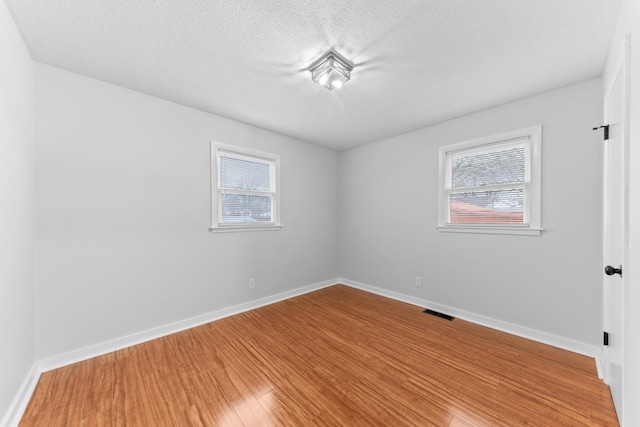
417	62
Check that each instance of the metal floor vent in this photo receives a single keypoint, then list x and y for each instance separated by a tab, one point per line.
438	314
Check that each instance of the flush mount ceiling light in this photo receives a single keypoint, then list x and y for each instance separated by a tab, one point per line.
331	70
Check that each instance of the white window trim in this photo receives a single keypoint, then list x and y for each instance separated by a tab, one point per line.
216	224
534	199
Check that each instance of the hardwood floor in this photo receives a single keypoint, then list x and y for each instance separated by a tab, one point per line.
334	357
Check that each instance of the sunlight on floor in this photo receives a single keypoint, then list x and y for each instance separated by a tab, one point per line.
251	411
463	419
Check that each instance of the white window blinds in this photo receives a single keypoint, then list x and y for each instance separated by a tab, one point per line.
246	188
488	185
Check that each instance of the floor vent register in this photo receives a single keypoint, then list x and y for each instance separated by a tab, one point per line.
438	314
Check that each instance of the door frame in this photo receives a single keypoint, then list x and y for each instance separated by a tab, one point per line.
622	62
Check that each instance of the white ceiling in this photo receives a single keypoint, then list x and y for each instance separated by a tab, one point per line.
417	62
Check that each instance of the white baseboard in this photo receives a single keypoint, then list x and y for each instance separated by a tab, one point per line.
521	331
150	334
161	331
20	402
13	416
599	365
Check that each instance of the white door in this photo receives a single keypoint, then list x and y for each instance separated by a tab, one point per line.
615	222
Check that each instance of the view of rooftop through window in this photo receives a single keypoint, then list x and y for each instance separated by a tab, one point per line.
488	186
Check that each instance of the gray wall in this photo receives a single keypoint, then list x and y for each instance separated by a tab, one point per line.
123	214
550	283
17	222
123	211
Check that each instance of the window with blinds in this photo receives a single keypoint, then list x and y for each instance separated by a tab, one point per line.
245	187
492	184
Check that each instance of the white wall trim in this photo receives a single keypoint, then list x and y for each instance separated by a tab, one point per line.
17	408
599	365
510	328
20	402
151	334
161	331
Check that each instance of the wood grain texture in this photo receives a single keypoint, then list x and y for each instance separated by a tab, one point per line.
334	357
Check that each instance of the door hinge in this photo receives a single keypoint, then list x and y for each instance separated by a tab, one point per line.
606	131
606	338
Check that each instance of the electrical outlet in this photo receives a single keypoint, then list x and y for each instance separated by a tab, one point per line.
252	283
418	281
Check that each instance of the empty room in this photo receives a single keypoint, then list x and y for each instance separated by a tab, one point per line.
336	213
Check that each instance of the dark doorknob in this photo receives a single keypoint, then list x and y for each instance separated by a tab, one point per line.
610	271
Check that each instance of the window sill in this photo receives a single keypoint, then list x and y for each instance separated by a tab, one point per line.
240	228
490	230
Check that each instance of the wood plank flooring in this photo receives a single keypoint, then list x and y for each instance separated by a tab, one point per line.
334	357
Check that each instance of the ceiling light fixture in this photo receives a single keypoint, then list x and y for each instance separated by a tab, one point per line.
331	70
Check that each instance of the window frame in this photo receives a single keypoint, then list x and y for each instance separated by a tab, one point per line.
273	160
532	187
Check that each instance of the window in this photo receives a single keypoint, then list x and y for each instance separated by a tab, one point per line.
245	189
492	185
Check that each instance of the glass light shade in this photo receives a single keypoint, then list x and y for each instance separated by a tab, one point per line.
331	71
